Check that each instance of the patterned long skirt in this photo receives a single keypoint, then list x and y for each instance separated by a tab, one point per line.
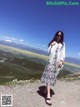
49	74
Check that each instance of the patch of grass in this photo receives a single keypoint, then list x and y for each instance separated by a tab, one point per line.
20	69
73	65
64	73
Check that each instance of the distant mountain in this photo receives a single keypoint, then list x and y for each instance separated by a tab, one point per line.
36	50
76	61
73	60
23	47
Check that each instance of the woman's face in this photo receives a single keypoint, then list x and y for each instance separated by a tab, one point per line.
59	36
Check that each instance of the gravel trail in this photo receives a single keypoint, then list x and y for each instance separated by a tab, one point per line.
30	94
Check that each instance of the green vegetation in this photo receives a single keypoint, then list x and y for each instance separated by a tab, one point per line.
23	65
24	52
73	65
64	73
20	69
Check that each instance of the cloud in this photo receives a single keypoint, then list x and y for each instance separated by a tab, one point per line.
7	37
79	53
2	37
11	39
21	40
41	45
8	40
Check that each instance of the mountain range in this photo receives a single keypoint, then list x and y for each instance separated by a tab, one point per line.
25	62
23	47
37	50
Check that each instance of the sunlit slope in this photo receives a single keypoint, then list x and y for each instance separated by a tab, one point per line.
21	65
72	64
25	52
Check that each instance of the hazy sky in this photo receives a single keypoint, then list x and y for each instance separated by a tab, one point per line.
34	23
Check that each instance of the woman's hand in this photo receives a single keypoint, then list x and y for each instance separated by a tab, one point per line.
53	43
60	63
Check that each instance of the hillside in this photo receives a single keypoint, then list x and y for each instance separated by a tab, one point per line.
22	65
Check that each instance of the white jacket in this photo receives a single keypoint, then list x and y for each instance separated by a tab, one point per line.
60	53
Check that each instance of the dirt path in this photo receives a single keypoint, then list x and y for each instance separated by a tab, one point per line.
65	94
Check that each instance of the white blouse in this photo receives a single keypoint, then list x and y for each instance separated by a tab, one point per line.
60	52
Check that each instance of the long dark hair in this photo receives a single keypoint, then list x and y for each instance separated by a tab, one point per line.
55	38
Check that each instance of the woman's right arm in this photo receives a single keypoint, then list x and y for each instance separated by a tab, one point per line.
49	48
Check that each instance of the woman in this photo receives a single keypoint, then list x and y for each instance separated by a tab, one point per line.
56	50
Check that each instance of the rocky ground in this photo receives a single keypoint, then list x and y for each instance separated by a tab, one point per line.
30	94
